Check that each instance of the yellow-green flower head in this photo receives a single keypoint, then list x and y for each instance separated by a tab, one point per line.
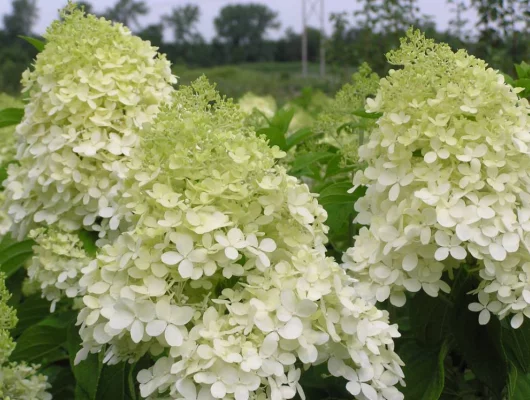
225	275
8	320
91	88
7	134
250	102
17	381
448	181
56	264
338	124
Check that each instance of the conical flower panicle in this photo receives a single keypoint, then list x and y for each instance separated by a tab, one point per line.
225	275
448	182
91	88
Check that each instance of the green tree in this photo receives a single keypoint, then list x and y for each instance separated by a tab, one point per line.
127	12
154	33
242	27
22	18
183	22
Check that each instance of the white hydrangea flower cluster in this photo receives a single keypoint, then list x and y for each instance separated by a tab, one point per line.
21	382
56	264
225	276
91	88
448	182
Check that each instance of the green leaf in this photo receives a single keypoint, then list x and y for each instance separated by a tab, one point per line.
479	345
89	242
87	373
14	254
424	370
38	44
61	380
30	312
523	70
363	114
39	344
112	382
334	167
337	193
430	318
318	384
11	116
282	120
523	83
298	137
519	385
516	345
305	160
275	135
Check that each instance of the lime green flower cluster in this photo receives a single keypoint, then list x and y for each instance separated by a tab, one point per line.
448	181
7	137
340	126
7	154
17	381
56	264
92	87
225	276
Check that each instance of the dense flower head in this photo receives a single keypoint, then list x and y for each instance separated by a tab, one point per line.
225	277
18	381
448	181
7	136
91	88
56	264
259	108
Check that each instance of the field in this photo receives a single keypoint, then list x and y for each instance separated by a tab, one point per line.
283	81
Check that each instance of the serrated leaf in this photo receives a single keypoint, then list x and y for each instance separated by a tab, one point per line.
37	343
14	254
334	167
282	120
424	370
87	373
337	193
518	385
305	160
516	345
30	312
298	137
479	345
363	114
430	318
38	44
275	136
11	116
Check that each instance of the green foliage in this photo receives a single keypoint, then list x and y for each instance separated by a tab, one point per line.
11	116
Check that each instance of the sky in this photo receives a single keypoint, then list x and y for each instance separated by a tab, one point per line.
289	11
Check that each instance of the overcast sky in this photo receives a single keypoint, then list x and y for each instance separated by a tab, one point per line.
289	11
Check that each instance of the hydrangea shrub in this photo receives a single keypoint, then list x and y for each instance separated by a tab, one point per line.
447	178
225	276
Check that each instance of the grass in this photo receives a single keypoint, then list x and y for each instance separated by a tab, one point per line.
281	80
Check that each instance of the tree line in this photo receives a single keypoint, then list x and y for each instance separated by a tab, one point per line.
500	34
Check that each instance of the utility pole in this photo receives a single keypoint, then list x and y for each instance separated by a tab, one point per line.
310	8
